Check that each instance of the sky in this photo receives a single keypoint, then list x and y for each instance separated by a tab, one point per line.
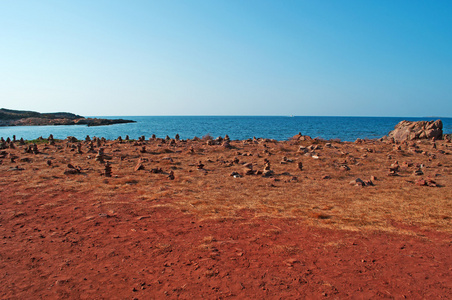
227	57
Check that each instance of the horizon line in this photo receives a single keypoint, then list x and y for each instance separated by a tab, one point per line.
286	116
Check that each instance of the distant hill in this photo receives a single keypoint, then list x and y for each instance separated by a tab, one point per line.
10	114
10	117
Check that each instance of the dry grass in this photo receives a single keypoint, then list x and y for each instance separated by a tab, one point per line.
213	193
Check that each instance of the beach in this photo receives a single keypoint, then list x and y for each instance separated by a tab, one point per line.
156	218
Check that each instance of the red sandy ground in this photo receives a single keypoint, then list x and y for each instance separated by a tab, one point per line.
70	244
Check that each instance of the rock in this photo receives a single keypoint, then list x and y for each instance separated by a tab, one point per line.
71	170
421	182
300	166
360	182
408	130
226	144
418	172
236	175
293	179
139	167
248	166
357	182
344	168
247	171
300	137
267	173
156	170
171	175
16	168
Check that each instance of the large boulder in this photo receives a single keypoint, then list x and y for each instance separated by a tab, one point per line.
409	130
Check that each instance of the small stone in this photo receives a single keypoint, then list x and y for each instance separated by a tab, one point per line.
357	182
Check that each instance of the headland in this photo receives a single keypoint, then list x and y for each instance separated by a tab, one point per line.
9	117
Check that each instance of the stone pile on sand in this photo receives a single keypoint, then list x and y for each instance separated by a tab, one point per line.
100	155
267	172
71	170
79	148
107	169
394	169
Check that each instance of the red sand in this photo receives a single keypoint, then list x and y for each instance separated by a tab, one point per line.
69	245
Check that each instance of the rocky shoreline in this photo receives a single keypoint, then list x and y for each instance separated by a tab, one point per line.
30	118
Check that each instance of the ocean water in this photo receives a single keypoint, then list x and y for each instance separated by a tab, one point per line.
237	127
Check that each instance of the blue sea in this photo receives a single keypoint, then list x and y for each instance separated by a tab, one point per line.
237	127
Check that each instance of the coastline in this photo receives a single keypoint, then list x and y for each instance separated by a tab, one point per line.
9	117
238	128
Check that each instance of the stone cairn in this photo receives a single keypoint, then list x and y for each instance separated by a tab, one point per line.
107	170
12	157
394	169
79	148
226	144
91	147
171	175
418	171
100	155
28	149
248	169
34	149
71	170
267	170
51	140
300	166
177	137
98	142
3	144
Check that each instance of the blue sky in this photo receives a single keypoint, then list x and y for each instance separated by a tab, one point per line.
232	57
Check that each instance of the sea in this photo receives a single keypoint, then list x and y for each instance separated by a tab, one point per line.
236	127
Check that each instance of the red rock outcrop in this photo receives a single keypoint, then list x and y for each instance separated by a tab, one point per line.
408	130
